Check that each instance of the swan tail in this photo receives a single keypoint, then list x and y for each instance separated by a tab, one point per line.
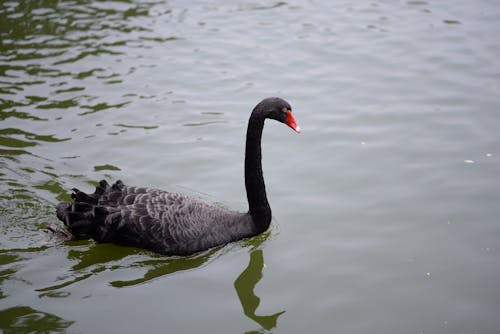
85	217
100	190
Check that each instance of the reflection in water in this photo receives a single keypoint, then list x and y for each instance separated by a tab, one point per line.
245	284
97	258
162	267
109	257
24	319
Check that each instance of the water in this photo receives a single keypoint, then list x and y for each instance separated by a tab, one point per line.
385	207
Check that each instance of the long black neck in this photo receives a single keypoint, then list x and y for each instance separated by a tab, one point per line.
258	205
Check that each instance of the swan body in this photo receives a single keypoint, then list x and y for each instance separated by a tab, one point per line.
171	223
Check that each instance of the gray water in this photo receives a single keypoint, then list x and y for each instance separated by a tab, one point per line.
385	209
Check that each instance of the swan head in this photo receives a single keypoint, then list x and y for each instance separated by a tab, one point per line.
278	109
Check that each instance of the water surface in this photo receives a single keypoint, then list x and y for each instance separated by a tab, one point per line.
385	207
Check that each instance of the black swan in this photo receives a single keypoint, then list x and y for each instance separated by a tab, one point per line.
175	224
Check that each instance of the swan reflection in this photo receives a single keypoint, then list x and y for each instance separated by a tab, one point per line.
245	285
92	259
100	257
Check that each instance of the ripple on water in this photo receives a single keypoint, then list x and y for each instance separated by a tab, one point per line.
387	202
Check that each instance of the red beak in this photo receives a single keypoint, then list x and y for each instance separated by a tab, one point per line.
290	121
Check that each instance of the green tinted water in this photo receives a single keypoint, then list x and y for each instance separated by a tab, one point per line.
385	207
